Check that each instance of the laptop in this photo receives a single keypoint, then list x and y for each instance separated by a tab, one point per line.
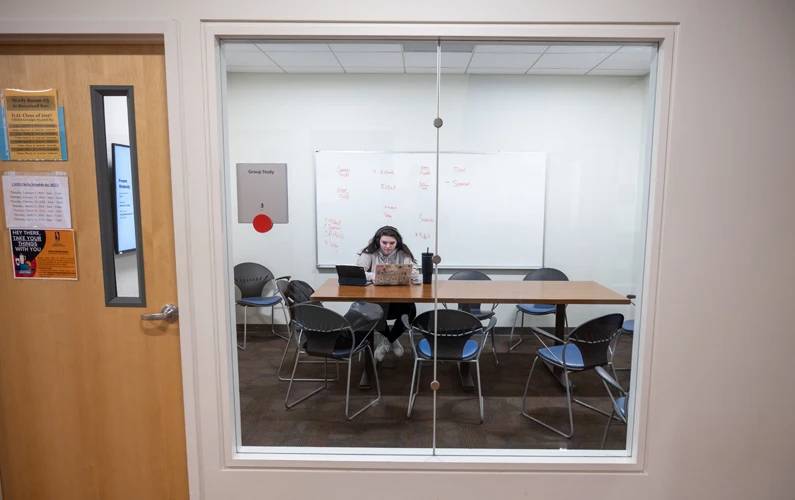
351	276
392	274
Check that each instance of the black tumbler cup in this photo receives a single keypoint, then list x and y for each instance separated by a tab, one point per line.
427	268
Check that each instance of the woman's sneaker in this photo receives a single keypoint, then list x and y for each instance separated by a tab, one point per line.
382	349
397	348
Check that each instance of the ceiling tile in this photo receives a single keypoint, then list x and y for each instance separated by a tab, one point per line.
629	57
294	47
618	72
488	60
496	71
312	59
569	61
575	48
248	59
311	69
371	69
558	71
365	47
511	48
374	59
428	59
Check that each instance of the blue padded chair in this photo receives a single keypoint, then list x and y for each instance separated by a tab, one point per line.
453	333
543	274
322	329
476	309
627	329
585	348
620	403
251	279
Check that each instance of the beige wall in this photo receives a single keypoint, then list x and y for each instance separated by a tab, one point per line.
721	407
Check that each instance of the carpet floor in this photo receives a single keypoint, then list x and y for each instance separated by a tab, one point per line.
320	421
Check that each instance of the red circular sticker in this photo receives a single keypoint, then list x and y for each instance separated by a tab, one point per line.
262	223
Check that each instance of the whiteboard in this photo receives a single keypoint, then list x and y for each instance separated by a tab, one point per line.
491	205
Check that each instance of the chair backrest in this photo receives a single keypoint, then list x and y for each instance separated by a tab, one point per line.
469	275
251	278
593	339
546	274
296	292
321	327
453	329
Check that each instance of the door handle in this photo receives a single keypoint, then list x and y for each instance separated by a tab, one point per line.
169	313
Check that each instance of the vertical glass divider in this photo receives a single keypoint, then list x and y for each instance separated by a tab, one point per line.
436	231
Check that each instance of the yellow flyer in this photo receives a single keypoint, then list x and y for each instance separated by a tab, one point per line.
33	125
44	254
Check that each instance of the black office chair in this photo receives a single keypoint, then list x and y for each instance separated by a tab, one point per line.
324	331
628	330
620	403
453	334
543	274
251	278
475	309
293	293
585	348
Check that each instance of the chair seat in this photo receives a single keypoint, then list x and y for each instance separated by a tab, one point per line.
536	308
260	301
554	355
338	353
344	353
629	326
480	313
470	349
621	403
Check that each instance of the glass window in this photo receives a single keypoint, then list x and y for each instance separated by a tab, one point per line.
518	165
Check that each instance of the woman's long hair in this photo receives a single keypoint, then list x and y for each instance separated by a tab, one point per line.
390	231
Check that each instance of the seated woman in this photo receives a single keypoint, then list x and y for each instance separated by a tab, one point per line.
387	247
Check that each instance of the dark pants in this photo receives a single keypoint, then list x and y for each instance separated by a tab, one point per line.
394	310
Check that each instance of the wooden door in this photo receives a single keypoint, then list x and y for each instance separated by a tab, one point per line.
91	396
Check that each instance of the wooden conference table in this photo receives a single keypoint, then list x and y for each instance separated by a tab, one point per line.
559	293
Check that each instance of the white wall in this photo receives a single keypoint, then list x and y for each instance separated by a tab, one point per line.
591	127
720	408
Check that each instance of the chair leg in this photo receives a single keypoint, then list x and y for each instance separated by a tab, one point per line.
525	413
494	348
289	405
245	324
623	369
273	321
597	410
607	429
480	392
412	393
510	339
348	389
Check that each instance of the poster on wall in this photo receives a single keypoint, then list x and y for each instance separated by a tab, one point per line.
262	189
43	254
37	200
33	126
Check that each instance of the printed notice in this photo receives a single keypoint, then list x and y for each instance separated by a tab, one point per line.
37	201
262	189
33	125
43	254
